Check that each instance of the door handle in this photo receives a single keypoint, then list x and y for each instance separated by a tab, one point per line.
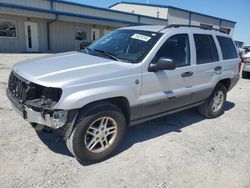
218	68
187	74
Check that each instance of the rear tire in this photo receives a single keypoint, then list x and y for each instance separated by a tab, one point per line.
214	105
98	131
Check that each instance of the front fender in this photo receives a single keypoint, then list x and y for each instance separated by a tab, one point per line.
81	98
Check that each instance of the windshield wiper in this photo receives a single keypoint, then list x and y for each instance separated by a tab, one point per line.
113	56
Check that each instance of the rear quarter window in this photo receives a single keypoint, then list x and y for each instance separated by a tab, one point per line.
227	48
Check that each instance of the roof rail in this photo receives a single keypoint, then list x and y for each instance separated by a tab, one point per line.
195	26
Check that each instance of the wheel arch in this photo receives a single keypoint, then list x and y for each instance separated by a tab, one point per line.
226	82
120	101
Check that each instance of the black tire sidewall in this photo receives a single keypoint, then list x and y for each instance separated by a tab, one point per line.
211	113
78	146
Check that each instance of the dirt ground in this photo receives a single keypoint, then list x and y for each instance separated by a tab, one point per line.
180	150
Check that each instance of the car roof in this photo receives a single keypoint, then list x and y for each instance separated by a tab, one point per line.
152	28
183	28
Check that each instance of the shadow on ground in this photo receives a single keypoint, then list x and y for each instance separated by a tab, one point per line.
138	133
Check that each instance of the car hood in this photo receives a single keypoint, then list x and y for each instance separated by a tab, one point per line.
69	68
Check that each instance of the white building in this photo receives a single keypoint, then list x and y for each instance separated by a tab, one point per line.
57	26
176	15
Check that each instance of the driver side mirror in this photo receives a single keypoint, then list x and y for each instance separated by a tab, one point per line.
162	64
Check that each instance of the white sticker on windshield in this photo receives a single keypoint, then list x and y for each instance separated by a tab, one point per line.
141	37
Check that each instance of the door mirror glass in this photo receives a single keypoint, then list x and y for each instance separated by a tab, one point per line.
163	64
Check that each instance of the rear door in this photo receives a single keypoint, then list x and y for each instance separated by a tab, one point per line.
208	66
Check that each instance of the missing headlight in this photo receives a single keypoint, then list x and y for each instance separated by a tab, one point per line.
25	91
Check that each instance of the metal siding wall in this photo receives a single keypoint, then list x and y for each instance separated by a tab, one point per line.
144	10
198	19
76	20
34	3
178	17
61	39
18	44
26	13
14	44
63	35
153	21
228	25
42	35
93	12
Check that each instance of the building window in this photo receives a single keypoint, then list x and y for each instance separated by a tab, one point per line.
225	30
7	28
205	26
81	34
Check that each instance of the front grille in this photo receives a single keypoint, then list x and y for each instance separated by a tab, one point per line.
17	87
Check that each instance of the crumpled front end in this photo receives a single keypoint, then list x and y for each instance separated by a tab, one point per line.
35	103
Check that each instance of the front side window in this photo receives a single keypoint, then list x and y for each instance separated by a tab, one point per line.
176	48
206	51
7	28
125	45
227	47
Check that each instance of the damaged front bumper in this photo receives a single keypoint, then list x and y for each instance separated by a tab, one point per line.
54	119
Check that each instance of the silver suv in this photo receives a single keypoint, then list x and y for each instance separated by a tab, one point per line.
127	77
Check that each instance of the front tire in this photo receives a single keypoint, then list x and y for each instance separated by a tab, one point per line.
214	105
98	131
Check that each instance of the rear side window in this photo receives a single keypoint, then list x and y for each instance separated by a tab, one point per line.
206	51
227	48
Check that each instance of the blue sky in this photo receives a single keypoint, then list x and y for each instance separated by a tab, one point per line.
236	10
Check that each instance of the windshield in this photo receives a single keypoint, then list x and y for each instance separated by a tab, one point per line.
124	45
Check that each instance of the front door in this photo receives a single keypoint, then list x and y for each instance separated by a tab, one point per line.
169	89
31	36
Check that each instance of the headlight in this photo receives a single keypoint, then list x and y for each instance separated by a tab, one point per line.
23	90
53	94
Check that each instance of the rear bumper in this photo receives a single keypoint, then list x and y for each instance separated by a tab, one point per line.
51	118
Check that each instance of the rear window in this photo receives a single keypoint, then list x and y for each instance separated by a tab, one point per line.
206	51
227	47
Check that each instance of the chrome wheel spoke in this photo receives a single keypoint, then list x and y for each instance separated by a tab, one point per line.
104	122
93	128
102	144
91	133
111	131
99	139
92	143
218	101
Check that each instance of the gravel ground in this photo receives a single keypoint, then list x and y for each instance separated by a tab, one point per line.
180	150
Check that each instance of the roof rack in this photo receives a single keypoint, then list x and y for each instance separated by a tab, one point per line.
195	26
